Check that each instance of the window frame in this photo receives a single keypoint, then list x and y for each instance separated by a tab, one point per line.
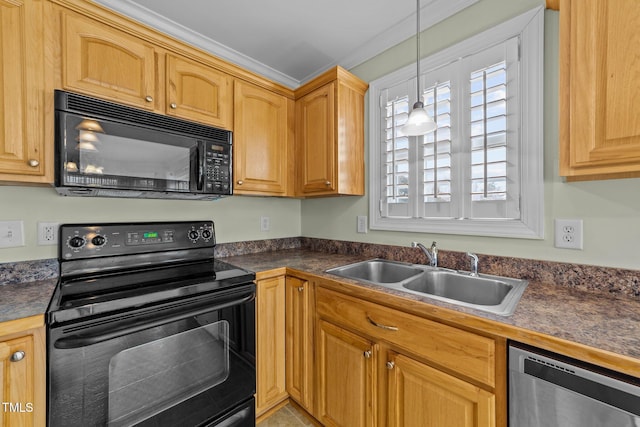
529	28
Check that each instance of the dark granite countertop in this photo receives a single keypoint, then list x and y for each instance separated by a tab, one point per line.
593	319
18	300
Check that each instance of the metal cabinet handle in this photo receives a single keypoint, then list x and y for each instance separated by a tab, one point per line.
390	365
33	163
240	182
300	288
367	354
380	325
148	98
17	356
327	183
173	105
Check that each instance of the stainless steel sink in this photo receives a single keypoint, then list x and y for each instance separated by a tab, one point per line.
378	271
494	294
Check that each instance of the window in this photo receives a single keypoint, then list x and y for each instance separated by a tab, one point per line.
480	171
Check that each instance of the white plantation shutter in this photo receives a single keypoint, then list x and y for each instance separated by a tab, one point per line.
468	176
437	169
494	137
395	153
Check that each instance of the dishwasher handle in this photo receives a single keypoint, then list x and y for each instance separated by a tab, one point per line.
597	383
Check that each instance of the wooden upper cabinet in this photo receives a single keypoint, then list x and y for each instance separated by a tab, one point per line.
103	61
330	135
198	92
263	141
316	141
599	89
25	149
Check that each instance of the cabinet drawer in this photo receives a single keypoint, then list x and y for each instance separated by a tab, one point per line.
463	352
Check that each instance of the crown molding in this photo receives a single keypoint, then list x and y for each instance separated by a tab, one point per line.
431	13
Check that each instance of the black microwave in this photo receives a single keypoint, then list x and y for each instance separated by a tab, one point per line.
110	150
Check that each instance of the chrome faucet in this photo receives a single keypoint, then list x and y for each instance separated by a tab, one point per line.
474	263
432	253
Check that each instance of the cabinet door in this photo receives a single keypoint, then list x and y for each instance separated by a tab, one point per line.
22	92
599	88
270	348
422	396
299	335
315	135
17	379
198	92
103	61
346	377
261	141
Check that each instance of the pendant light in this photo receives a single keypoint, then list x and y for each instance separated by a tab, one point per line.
419	122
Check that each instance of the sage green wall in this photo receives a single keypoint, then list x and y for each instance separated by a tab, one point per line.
610	209
236	218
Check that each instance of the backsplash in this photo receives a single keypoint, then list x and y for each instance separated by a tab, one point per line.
622	282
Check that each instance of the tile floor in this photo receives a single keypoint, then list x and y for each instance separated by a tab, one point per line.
288	416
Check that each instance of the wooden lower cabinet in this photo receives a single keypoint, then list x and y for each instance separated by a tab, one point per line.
346	377
270	343
299	325
419	395
22	373
378	366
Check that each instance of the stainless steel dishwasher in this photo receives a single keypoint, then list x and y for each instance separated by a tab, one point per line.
548	390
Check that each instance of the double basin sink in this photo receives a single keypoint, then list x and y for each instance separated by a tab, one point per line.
494	294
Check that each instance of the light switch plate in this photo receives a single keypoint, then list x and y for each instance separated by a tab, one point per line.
11	234
265	223
362	224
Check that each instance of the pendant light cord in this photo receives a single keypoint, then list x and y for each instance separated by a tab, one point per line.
418	50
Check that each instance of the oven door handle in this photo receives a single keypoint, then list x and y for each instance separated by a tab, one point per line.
77	341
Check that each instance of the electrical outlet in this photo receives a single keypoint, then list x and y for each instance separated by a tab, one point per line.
48	233
568	233
362	224
11	234
265	223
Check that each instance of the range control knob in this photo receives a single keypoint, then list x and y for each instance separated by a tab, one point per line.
194	235
206	234
76	242
98	240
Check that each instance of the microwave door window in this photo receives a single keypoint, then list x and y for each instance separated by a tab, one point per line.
143	164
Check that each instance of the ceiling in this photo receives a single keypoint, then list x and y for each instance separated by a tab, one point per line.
289	41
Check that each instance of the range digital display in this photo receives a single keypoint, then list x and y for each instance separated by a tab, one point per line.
150	235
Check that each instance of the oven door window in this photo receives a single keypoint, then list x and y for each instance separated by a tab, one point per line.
117	155
148	379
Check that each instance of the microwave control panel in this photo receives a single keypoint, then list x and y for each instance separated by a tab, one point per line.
217	168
